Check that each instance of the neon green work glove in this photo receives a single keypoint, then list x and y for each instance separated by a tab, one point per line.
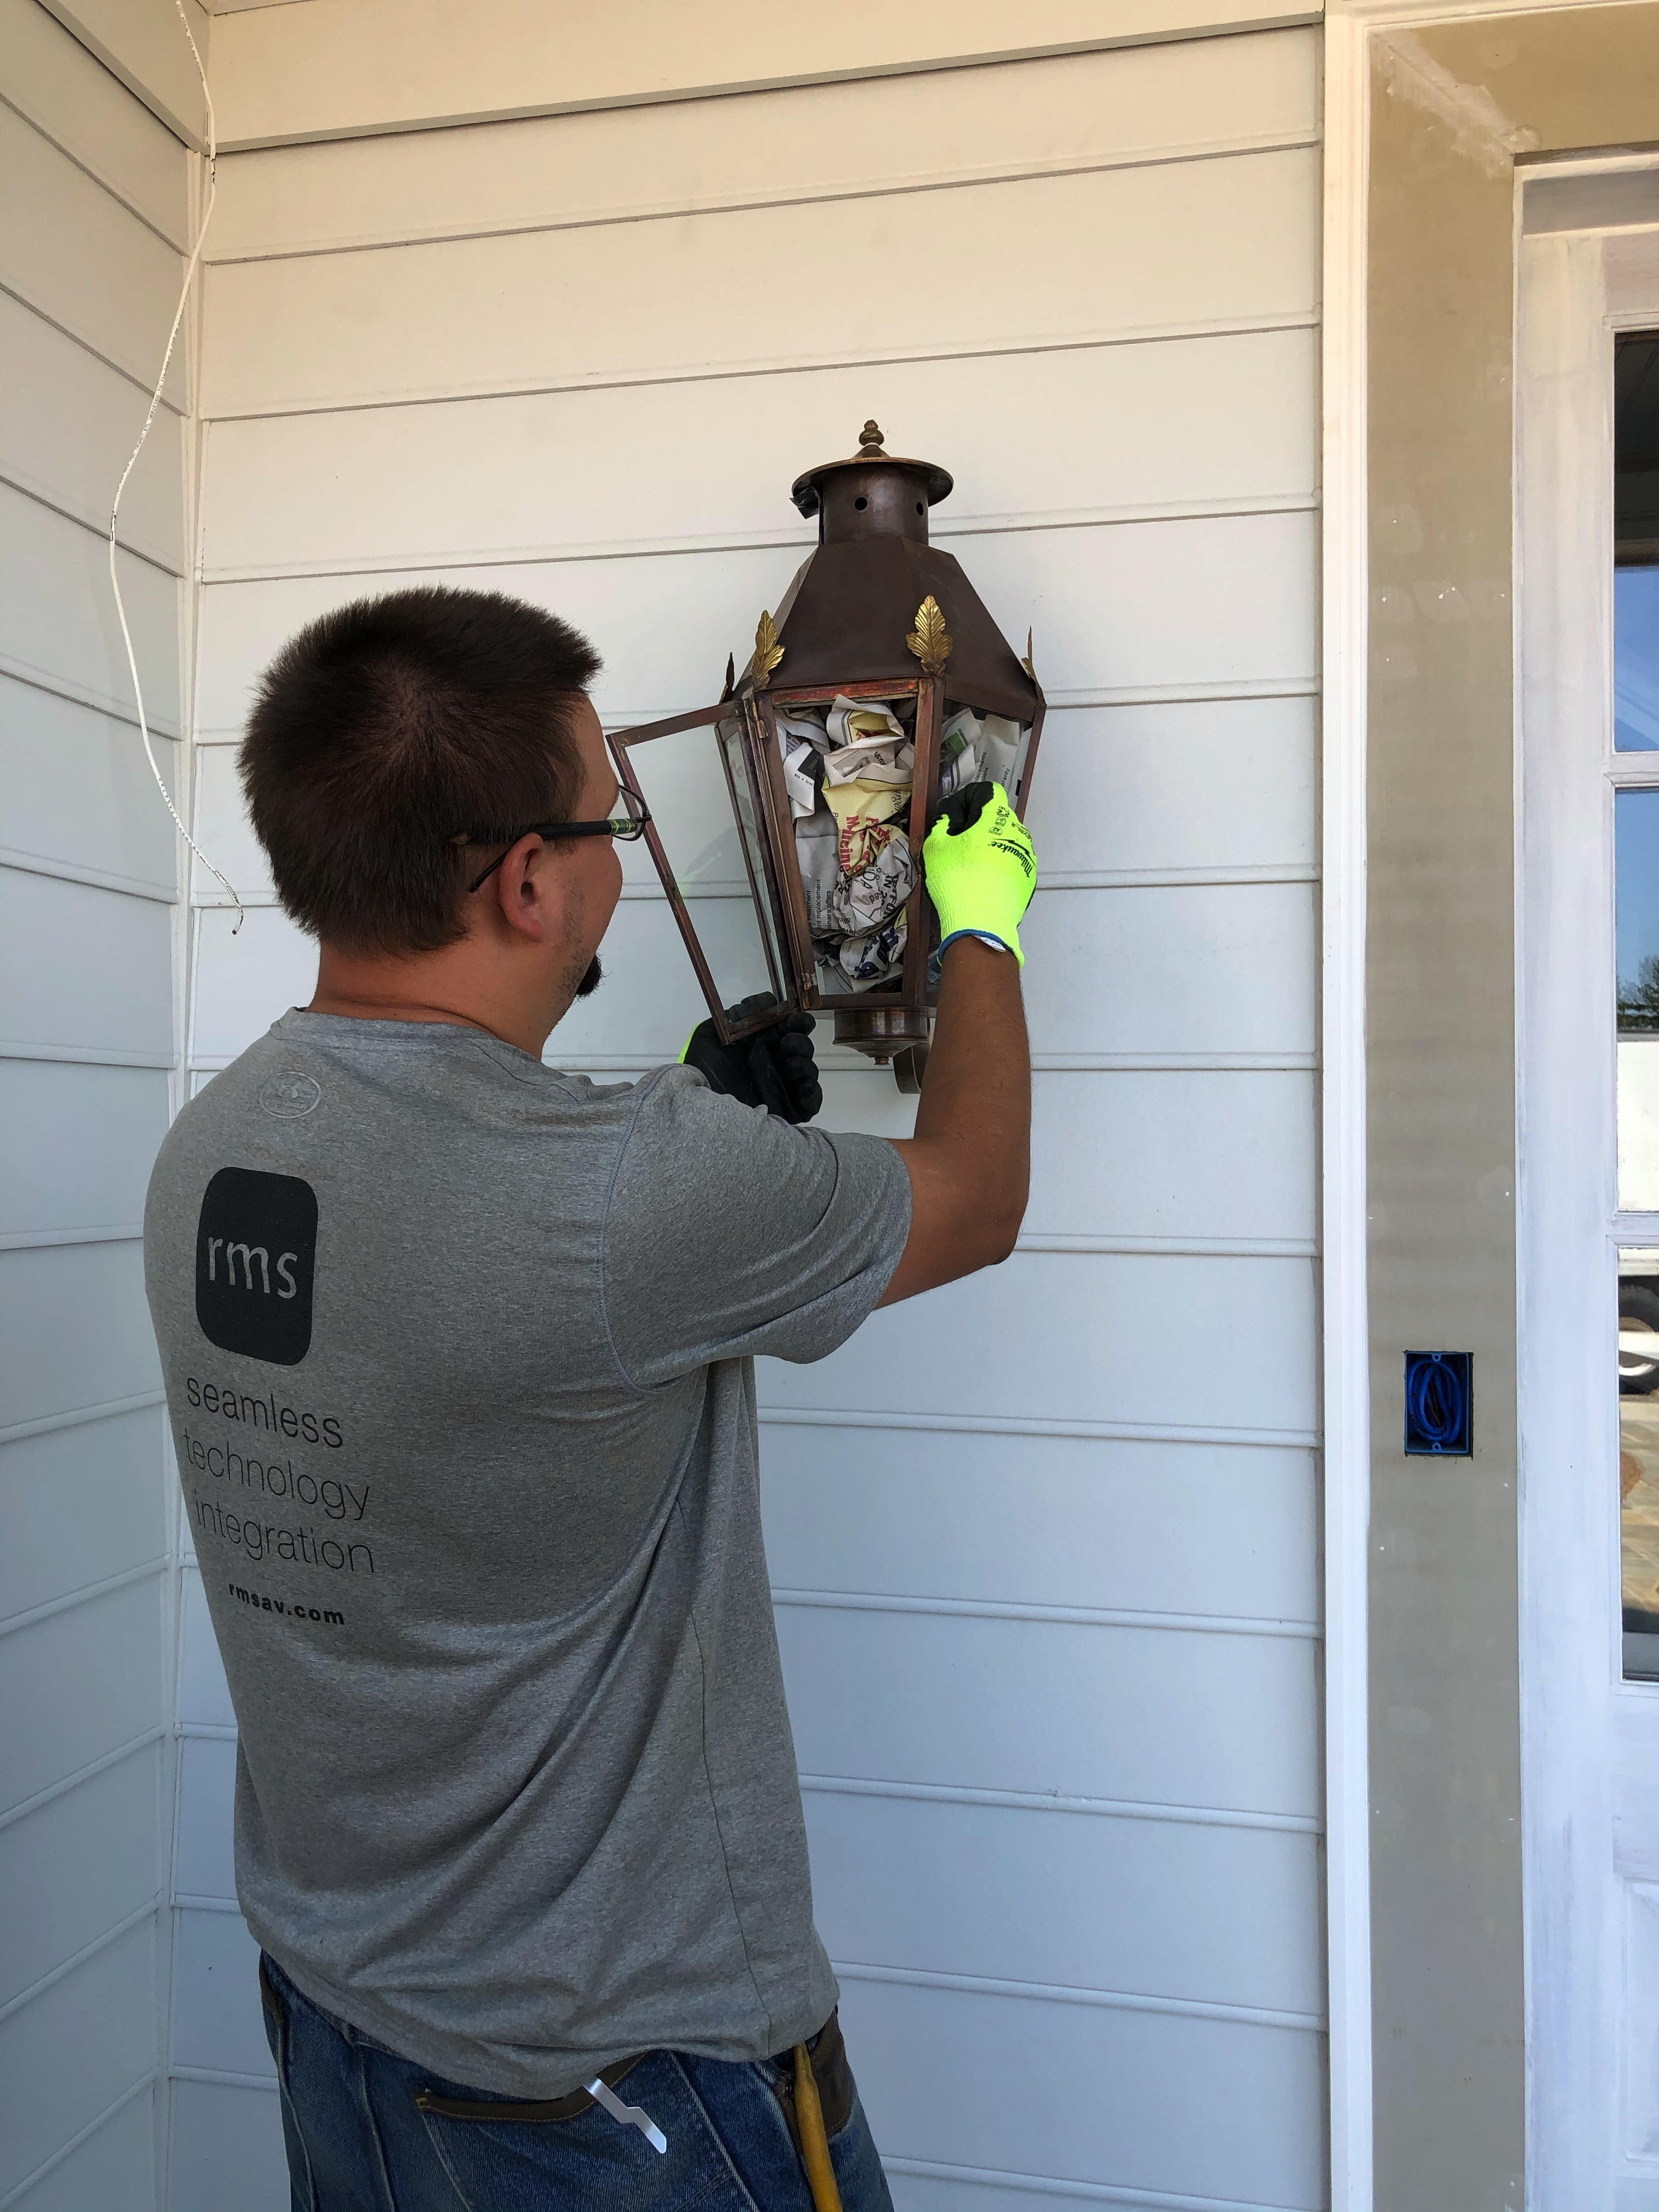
980	868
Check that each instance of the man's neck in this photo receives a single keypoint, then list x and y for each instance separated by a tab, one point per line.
440	986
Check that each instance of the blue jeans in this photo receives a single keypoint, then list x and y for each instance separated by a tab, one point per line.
358	2142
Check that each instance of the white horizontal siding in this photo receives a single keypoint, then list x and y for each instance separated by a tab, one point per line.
204	1860
83	1140
1197	1158
326	329
69	423
1117	1339
933	1885
80	1505
204	1695
1127	1526
81	800
77	1687
939	2188
76	102
1045	1543
80	2045
112	2158
226	2146
597	472
57	623
243	983
1184	608
1193	1718
1193	973
824	141
77	1331
216	1965
117	290
1207	1157
95	192
1200	971
1183	2108
222	827
327	78
78	1867
1228	784
62	997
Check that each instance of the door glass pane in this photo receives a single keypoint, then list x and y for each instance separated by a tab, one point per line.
1636	841
1636	859
1638	1458
683	775
745	806
1636	543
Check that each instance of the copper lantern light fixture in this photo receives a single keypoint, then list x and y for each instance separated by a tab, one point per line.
788	818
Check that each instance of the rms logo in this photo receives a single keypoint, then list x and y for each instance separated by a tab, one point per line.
247	1253
256	1254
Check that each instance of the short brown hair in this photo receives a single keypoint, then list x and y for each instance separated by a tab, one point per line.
388	729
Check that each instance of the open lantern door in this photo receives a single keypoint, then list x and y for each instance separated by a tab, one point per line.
714	842
787	820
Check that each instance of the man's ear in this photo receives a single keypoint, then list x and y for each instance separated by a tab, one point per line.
529	894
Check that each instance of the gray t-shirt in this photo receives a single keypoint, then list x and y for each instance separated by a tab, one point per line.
459	1356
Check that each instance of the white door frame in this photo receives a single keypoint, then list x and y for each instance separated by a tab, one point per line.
1582	1727
1344	1316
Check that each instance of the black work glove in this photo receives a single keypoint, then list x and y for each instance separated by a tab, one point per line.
774	1068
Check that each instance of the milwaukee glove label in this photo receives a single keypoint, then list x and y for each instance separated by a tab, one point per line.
256	1254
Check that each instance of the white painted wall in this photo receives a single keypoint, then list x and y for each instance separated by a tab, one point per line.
96	195
1048	1594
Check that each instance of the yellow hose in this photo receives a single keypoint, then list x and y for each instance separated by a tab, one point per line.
814	2143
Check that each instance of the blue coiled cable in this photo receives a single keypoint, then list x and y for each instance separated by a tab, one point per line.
1434	1402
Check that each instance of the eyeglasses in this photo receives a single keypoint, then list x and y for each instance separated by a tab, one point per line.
626	825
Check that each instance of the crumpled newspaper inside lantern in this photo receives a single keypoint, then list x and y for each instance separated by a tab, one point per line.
788	817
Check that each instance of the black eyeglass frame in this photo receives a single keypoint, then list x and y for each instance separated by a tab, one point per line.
626	827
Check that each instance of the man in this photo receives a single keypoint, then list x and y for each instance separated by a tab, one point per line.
458	1353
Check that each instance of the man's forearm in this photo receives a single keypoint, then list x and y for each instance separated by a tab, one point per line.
969	1160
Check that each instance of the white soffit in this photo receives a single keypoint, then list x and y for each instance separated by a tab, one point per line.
334	69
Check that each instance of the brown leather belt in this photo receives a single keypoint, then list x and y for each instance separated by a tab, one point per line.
552	2108
830	2071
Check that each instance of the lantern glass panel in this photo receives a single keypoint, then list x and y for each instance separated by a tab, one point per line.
874	907
977	745
693	774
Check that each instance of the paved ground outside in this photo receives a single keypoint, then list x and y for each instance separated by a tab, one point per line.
1638	1482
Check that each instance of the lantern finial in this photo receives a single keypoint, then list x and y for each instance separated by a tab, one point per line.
870	440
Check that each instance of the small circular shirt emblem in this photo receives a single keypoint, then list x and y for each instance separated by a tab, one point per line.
290	1095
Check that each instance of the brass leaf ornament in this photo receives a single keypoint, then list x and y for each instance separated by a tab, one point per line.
768	652
1026	663
930	641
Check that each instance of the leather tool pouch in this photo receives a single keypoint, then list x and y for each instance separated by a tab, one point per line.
830	2071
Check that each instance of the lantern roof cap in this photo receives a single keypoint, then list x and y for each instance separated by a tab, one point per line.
804	489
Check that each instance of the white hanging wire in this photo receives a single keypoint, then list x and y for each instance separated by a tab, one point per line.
115	511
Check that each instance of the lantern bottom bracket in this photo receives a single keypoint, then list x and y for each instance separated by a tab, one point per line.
893	1036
